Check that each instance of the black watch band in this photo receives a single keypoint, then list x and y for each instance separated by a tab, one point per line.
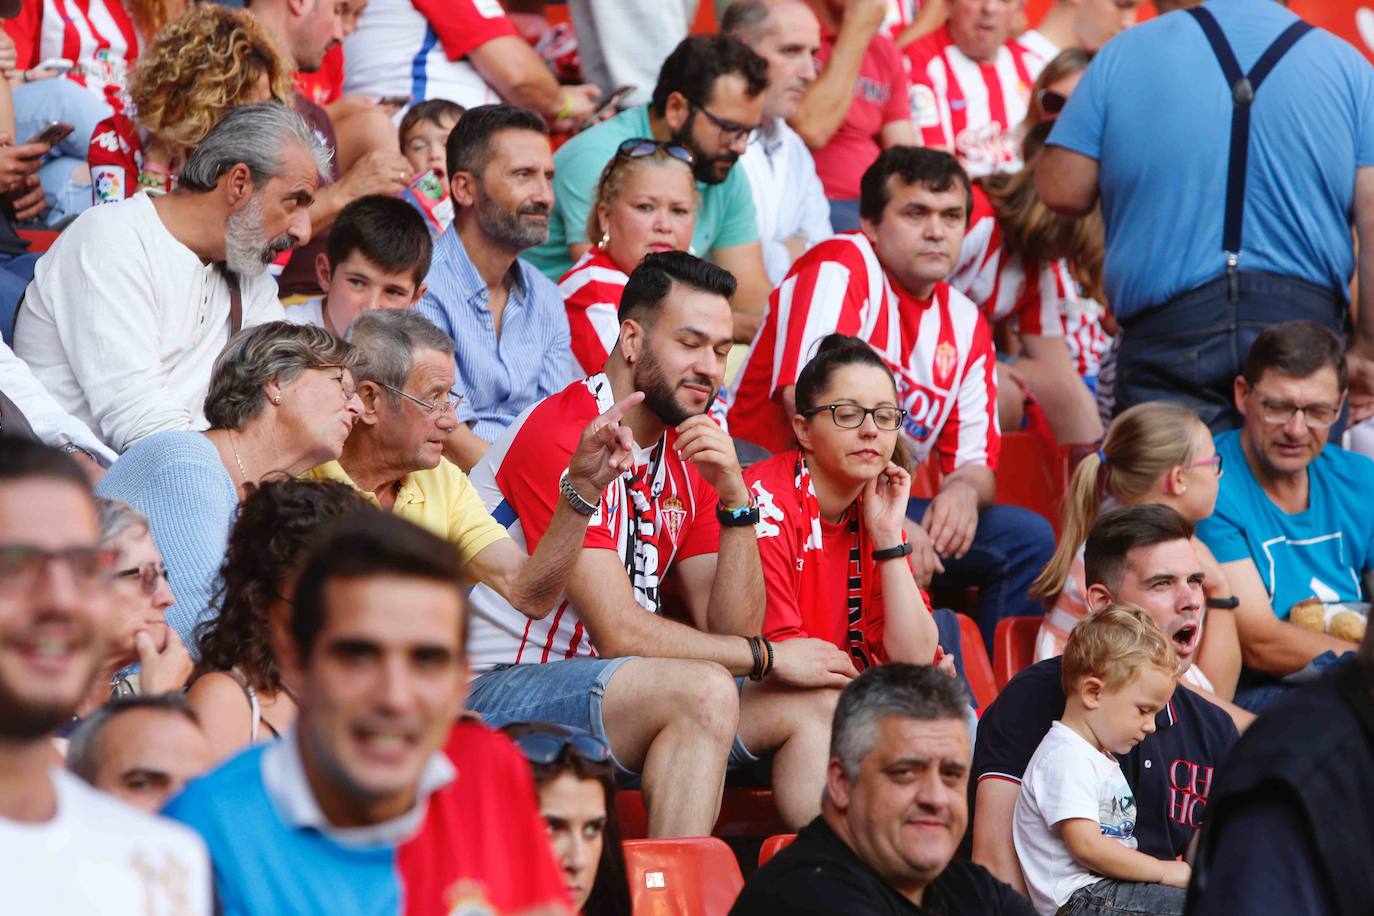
892	553
1224	604
741	517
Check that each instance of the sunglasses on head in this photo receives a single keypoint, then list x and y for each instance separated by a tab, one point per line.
639	147
543	748
1051	102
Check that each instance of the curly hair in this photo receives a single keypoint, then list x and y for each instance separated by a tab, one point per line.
202	64
276	523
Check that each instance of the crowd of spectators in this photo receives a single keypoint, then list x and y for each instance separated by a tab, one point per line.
420	422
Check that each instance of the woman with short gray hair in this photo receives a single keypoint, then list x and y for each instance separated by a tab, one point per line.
281	401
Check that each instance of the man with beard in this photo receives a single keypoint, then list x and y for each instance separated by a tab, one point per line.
65	848
132	303
709	101
1141	555
668	697
507	321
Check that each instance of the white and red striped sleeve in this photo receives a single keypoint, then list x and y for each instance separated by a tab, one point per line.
463	26
930	109
1039	309
591	293
824	294
971	434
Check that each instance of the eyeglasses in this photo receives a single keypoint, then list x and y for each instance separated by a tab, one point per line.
731	132
146	575
1051	102
451	401
543	748
852	416
21	564
1316	416
347	387
1214	462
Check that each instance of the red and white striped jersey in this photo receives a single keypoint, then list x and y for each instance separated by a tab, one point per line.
98	36
971	109
1083	333
591	293
518	481
940	350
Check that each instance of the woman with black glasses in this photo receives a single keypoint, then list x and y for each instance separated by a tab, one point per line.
645	202
830	530
575	778
281	401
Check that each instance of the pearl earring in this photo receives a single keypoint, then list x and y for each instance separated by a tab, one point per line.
605	239
277	399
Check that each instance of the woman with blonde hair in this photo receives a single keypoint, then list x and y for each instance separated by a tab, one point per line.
204	63
1155	453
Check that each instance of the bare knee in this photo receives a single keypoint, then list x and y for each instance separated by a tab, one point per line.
704	695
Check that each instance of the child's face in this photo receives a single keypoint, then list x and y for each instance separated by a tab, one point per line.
423	147
1123	717
358	285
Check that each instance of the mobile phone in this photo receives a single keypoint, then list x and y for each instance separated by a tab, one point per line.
611	101
53	134
397	101
56	64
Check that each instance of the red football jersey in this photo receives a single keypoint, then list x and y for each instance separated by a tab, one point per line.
591	291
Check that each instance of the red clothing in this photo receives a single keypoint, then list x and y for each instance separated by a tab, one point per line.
880	97
940	350
116	158
591	291
483	839
970	108
325	85
97	35
463	26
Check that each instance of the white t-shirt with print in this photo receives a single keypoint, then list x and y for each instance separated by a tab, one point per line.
1067	778
98	855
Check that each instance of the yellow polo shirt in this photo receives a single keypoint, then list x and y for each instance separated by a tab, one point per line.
441	500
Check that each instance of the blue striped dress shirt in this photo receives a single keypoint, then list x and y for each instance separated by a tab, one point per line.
501	374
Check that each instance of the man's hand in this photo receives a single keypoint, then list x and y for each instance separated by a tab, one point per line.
1176	874
27	201
17	163
1359	360
701	441
165	671
952	519
806	662
884	506
381	171
9	55
579	102
925	562
864	16
604	451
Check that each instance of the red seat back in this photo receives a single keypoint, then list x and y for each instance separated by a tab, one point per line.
690	876
774	845
977	668
1032	475
1013	646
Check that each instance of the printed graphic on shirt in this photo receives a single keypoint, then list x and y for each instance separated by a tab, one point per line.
109	182
1116	813
1292	561
1189	785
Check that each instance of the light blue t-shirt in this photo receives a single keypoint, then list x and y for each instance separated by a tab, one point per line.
725	214
1322	551
1154	109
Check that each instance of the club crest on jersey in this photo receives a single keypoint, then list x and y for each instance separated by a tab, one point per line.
945	358
674	514
468	898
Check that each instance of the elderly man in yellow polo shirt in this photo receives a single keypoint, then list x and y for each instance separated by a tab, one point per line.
394	458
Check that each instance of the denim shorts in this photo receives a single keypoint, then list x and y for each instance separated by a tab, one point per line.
569	692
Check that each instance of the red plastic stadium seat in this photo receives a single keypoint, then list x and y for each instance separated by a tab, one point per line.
630	813
1032	475
744	812
40	240
977	668
1014	646
774	845
691	876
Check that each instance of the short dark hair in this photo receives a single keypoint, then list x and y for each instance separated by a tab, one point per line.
431	111
22	459
1297	349
469	144
933	169
698	61
364	544
387	231
651	281
834	351
83	753
897	689
1118	531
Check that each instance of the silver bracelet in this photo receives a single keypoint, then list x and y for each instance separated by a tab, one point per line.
574	498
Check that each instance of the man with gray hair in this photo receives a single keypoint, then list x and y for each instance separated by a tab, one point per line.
130	306
893	813
394	458
789	201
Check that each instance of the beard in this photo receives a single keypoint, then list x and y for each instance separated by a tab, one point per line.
660	395
27	718
507	227
247	249
703	166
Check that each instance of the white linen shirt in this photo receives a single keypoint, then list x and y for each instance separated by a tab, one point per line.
788	197
53	425
122	323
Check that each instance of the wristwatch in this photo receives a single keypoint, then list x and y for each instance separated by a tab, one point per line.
738	517
574	498
1224	604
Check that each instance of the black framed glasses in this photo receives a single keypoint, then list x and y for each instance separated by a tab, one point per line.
21	565
1316	416
1051	102
147	576
433	408
852	416
731	132
345	382
543	748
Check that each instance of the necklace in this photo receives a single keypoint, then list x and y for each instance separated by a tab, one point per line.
237	460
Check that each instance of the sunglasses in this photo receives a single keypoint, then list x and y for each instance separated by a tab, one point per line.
543	748
640	147
1051	102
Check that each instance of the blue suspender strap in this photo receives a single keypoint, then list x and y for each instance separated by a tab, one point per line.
1243	89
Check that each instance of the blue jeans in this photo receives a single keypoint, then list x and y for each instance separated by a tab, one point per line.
1009	549
1190	349
38	104
16	272
1119	898
1257	690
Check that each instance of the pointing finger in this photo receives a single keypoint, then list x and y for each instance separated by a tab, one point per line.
617	410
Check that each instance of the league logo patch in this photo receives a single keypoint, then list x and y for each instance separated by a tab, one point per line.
924	110
674	514
109	182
